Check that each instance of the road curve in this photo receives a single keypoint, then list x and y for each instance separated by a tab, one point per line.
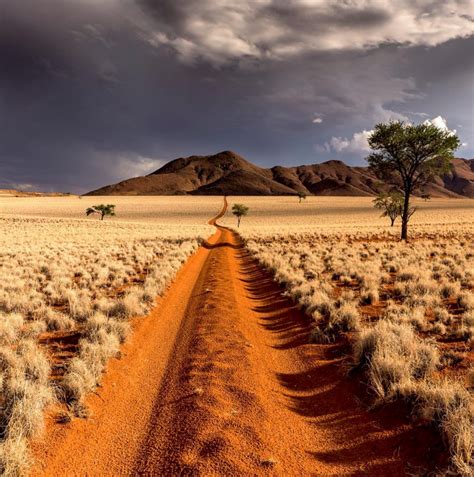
220	380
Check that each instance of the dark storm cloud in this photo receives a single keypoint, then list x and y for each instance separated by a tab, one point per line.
96	91
341	16
221	31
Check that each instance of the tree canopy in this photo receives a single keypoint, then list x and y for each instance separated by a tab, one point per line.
301	195
414	153
391	205
408	156
102	209
239	210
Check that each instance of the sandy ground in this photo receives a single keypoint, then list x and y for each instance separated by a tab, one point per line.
275	215
220	380
165	210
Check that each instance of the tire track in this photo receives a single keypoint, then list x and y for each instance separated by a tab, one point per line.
223	382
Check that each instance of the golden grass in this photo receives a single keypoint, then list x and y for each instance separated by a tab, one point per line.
408	308
274	215
64	274
161	210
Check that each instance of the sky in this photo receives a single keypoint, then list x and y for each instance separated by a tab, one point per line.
96	91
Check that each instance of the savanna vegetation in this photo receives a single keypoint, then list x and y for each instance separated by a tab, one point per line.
408	156
102	210
404	308
68	289
391	205
239	210
407	310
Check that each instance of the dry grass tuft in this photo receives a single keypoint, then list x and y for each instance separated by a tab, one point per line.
76	277
24	376
397	302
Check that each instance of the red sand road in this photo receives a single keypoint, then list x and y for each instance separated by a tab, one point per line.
220	380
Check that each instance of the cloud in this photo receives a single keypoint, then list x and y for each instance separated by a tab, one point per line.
339	89
5	184
133	165
220	31
92	92
358	143
217	47
440	123
317	120
412	113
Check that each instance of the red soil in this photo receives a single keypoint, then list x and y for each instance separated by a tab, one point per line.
220	380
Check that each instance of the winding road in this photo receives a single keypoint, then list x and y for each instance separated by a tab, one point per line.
220	380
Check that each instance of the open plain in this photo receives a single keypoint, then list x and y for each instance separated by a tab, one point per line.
312	342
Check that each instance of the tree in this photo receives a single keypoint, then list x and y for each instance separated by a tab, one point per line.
301	195
391	205
103	210
239	210
426	196
408	156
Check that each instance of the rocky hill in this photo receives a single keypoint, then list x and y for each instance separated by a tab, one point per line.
227	173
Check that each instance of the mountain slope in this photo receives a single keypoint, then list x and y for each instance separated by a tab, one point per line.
227	173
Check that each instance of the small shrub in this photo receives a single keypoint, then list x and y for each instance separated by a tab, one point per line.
392	352
15	458
465	301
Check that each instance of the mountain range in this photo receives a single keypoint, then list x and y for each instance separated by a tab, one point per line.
227	173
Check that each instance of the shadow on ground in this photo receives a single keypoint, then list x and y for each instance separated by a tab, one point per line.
379	442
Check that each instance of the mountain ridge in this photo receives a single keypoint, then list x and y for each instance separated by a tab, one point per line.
227	173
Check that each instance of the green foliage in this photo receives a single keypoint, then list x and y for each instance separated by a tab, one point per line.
391	205
239	210
102	209
412	153
301	195
409	155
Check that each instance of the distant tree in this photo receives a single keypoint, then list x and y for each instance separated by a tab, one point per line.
103	210
426	196
390	204
239	210
301	195
410	155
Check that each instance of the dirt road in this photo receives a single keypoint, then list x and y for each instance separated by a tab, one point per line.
220	380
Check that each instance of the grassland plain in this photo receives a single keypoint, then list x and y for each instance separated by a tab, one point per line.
70	284
166	210
407	309
278	215
68	287
222	384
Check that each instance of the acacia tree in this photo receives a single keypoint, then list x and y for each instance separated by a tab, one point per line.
102	209
239	210
391	205
408	156
301	195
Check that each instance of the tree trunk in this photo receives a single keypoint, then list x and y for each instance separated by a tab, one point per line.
238	222
102	217
406	213
392	221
